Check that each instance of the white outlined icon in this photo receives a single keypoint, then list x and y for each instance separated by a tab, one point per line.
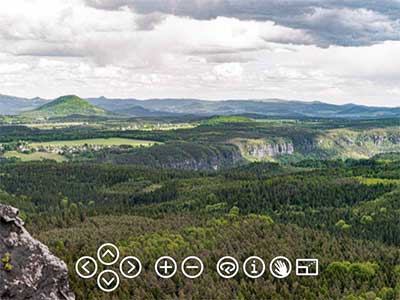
192	267
280	267
165	267
307	267
227	267
254	267
130	267
108	281
86	267
108	251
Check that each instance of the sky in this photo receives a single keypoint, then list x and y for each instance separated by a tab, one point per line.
333	51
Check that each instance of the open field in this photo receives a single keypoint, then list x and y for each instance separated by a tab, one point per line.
100	141
55	125
167	127
35	156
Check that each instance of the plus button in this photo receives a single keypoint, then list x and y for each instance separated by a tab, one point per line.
165	267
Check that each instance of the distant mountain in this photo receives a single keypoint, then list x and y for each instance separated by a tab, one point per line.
270	107
65	106
139	111
10	105
178	107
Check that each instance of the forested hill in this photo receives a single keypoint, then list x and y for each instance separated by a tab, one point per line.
345	213
214	186
65	106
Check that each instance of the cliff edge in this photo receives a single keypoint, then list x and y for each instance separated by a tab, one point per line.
27	268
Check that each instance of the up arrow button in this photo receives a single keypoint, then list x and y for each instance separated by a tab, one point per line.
108	254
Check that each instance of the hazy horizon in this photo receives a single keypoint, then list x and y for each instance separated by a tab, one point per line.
203	99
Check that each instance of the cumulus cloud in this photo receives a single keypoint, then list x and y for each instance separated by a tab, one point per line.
346	23
349	27
207	49
228	70
69	29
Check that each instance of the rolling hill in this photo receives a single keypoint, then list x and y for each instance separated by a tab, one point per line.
178	107
65	106
268	107
10	105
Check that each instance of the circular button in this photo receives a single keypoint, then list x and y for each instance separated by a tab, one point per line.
108	254
108	281
254	267
192	267
130	267
165	267
280	267
86	267
227	267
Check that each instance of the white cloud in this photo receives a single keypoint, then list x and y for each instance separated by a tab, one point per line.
228	70
330	22
345	26
6	68
53	47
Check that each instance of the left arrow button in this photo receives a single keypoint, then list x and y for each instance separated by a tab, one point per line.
86	267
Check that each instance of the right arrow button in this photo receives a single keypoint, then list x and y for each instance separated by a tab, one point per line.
130	267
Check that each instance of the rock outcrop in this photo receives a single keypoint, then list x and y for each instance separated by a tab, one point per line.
178	155
27	268
270	150
261	149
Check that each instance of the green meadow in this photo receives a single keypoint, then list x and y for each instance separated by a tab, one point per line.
34	156
99	141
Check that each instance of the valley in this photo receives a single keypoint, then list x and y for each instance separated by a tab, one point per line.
207	143
211	185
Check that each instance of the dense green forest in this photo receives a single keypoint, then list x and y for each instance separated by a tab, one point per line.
312	203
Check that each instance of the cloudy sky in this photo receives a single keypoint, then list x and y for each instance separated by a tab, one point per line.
334	51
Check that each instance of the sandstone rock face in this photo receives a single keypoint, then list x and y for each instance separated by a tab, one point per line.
27	268
270	150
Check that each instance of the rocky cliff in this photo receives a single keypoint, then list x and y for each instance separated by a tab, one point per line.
262	149
27	268
272	150
179	155
346	143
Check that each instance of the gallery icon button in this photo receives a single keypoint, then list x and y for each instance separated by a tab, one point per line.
192	267
130	267
86	267
165	267
108	254
254	267
108	281
280	267
227	267
307	267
